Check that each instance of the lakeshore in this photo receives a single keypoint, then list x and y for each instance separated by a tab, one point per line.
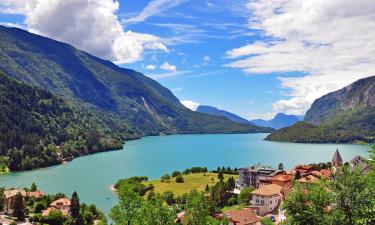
157	155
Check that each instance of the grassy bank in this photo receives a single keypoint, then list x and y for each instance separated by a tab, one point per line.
191	181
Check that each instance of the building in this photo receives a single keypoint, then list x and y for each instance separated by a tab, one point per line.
242	217
336	159
359	163
253	176
62	204
10	196
266	199
35	194
303	169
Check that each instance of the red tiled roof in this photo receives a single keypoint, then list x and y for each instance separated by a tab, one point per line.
326	173
50	209
61	201
35	194
242	217
268	190
281	177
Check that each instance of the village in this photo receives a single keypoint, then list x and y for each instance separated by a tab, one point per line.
269	189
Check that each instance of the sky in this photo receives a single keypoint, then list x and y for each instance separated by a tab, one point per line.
254	58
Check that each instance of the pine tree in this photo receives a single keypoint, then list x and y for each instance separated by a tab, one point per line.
281	166
34	187
74	206
220	176
19	207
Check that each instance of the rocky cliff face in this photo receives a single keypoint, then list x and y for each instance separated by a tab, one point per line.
360	94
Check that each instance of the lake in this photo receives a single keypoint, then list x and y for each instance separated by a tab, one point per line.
91	176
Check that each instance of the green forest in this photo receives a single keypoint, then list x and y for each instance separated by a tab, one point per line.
39	129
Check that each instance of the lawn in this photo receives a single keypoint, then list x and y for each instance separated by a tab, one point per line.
192	181
233	207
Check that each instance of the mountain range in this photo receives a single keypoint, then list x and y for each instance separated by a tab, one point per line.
281	120
81	103
346	115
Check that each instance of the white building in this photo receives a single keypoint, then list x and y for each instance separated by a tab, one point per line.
266	199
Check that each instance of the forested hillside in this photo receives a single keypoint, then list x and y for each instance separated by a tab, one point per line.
98	85
34	123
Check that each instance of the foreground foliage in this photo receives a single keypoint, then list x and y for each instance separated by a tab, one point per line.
349	198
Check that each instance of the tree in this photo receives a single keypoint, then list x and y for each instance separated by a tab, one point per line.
74	206
2	198
180	179
39	206
198	210
154	212
207	189
297	176
176	173
19	207
33	187
245	196
281	166
165	177
220	176
168	197
231	183
266	221
54	218
126	211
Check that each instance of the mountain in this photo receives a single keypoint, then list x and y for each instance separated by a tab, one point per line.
217	112
281	120
32	119
100	86
346	115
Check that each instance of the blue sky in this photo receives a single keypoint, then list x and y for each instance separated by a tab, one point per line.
251	57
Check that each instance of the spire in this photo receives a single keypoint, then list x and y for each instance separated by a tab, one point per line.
337	160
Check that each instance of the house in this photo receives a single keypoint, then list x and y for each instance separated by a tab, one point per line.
35	194
336	159
282	180
62	204
10	196
242	217
266	199
359	163
303	169
253	175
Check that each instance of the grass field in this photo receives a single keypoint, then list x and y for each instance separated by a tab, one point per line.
192	181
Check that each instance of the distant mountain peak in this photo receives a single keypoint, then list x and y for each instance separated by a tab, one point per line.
280	120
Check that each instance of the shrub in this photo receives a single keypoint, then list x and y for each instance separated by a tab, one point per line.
179	179
176	173
165	177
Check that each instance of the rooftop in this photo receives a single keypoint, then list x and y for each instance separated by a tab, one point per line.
258	167
61	201
242	217
268	190
11	193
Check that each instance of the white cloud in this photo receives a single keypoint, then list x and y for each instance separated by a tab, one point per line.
91	25
206	58
153	8
169	67
332	42
150	67
190	104
168	74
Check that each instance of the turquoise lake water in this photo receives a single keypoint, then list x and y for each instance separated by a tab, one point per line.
93	175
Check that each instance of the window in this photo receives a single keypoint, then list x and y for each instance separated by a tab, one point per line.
262	202
257	201
271	202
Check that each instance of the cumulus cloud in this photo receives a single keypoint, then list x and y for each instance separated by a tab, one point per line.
190	104
169	67
153	8
150	67
331	42
91	25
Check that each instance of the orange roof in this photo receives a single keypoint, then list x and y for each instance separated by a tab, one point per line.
35	194
268	190
61	201
50	209
307	179
281	177
303	167
11	193
326	173
242	217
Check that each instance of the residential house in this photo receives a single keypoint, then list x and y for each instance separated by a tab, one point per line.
35	194
266	199
254	175
336	159
285	181
245	216
62	204
359	163
10	196
303	169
